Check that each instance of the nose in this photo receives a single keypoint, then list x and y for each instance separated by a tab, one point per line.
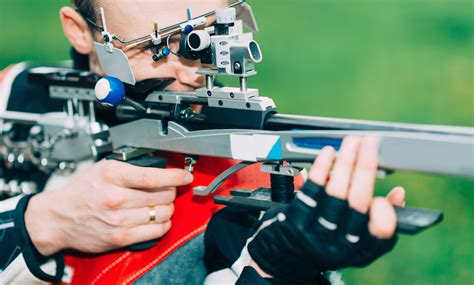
185	74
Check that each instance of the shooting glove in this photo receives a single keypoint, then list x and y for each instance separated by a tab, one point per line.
314	233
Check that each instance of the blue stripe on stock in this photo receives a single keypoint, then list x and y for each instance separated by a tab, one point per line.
275	152
317	143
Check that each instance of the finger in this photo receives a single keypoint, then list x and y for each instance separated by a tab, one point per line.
363	179
319	172
136	199
139	216
309	195
126	237
397	196
383	220
340	178
116	197
146	178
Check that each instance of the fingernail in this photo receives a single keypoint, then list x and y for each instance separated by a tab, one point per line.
188	178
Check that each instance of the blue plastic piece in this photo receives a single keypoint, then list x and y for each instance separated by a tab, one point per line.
188	29
188	11
165	51
110	91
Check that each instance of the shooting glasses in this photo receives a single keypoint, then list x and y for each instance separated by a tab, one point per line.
115	62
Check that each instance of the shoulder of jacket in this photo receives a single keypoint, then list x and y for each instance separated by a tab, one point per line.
7	77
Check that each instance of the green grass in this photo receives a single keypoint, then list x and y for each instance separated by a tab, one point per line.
391	60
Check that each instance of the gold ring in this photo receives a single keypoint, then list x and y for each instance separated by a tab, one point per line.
151	215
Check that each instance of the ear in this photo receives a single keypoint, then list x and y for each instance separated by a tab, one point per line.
76	30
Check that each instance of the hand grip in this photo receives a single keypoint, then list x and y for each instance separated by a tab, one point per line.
413	220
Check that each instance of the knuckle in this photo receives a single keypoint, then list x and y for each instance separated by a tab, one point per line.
358	203
105	164
162	197
108	169
367	166
345	166
348	159
119	238
146	180
382	230
337	189
173	177
113	200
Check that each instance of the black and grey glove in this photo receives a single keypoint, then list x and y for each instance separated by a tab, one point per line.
314	233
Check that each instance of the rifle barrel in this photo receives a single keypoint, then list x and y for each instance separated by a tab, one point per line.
288	122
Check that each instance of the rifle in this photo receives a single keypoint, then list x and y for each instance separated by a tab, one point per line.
234	122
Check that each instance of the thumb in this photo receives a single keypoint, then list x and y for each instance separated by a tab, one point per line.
397	196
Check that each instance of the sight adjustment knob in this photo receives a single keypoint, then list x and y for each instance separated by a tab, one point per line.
226	15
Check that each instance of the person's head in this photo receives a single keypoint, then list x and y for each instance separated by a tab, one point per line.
130	19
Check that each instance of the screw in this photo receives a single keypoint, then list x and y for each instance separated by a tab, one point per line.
237	65
190	161
209	93
187	113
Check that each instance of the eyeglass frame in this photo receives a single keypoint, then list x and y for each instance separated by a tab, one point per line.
158	33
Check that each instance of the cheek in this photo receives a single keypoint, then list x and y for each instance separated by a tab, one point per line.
186	70
183	71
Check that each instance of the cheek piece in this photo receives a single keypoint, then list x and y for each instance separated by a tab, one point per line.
314	233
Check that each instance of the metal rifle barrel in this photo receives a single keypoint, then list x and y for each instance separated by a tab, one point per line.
289	122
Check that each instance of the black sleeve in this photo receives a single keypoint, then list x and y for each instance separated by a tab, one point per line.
15	241
31	98
226	235
250	276
8	239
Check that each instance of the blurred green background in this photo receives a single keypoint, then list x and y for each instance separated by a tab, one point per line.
391	60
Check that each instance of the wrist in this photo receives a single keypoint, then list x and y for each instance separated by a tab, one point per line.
42	226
